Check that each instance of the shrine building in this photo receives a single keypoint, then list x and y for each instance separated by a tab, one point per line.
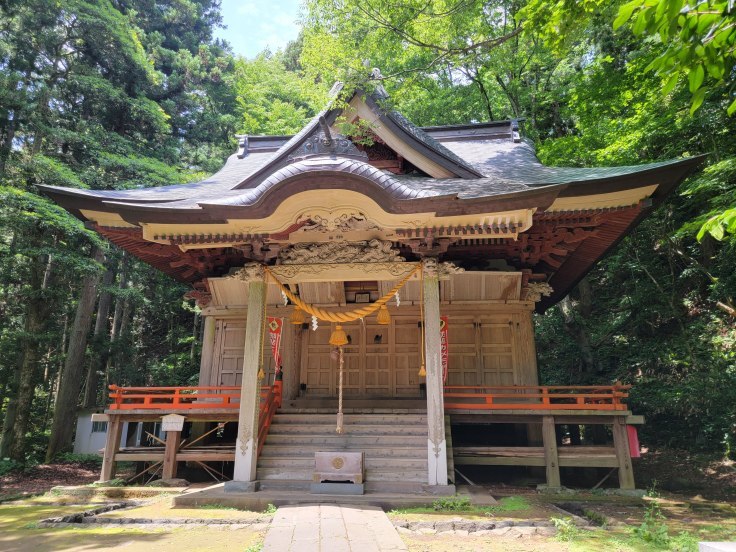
372	295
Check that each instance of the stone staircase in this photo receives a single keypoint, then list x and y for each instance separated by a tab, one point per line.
394	443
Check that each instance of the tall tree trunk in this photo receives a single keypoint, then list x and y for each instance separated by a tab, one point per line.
117	318
577	330
100	348
195	336
38	308
65	409
123	332
8	423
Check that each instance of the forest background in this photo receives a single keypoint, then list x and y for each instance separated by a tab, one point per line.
115	94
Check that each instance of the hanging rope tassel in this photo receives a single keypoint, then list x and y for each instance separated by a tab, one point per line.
340	429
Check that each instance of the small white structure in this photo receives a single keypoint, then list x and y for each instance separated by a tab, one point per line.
92	433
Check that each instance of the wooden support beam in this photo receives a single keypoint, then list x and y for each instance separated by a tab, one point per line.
551	458
173	441
112	444
621	444
436	443
246	447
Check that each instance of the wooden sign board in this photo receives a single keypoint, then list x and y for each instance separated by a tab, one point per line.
172	422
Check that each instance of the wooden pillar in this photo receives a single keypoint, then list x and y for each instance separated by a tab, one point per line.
208	347
436	444
112	444
623	454
173	441
551	458
246	447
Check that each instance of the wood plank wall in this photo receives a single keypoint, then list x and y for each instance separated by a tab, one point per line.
491	343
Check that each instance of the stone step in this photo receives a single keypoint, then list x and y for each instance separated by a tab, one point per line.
371	474
355	429
362	404
371	462
380	450
346	441
351	419
404	487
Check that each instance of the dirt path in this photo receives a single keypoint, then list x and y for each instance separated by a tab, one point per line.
40	479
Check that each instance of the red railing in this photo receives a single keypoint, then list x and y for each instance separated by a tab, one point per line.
537	397
176	398
267	410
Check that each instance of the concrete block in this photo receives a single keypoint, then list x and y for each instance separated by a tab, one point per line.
241	486
717	546
337	488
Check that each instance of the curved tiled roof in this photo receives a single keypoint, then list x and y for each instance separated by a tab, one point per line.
320	165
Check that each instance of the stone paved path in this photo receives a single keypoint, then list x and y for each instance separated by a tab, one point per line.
332	528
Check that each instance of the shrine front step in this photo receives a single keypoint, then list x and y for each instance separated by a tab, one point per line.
394	445
306	462
393	487
398	450
351	429
287	417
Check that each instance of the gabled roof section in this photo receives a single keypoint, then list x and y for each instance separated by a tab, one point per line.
408	140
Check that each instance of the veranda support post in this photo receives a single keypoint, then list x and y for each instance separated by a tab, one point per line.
112	444
173	442
246	446
436	443
623	453
551	457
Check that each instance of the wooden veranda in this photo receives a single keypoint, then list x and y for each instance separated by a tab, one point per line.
545	406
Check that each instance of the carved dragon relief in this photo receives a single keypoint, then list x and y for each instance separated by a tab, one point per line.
201	298
343	222
371	251
251	271
535	290
435	269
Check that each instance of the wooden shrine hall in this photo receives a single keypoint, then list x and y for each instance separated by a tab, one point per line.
373	294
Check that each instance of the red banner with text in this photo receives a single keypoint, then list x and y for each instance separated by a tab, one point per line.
274	335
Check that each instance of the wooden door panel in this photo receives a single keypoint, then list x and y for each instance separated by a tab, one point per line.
497	351
406	358
462	352
229	352
377	361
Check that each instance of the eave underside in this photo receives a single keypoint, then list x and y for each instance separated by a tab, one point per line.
558	247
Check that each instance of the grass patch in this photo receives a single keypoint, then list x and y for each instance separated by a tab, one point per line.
567	531
20	531
215	506
510	504
462	505
111	483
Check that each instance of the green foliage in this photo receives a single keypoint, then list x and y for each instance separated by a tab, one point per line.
509	504
99	95
71	458
567	531
7	465
452	504
718	225
117	482
216	506
270	509
272	99
653	529
700	40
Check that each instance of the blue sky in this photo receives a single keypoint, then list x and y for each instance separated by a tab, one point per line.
253	25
